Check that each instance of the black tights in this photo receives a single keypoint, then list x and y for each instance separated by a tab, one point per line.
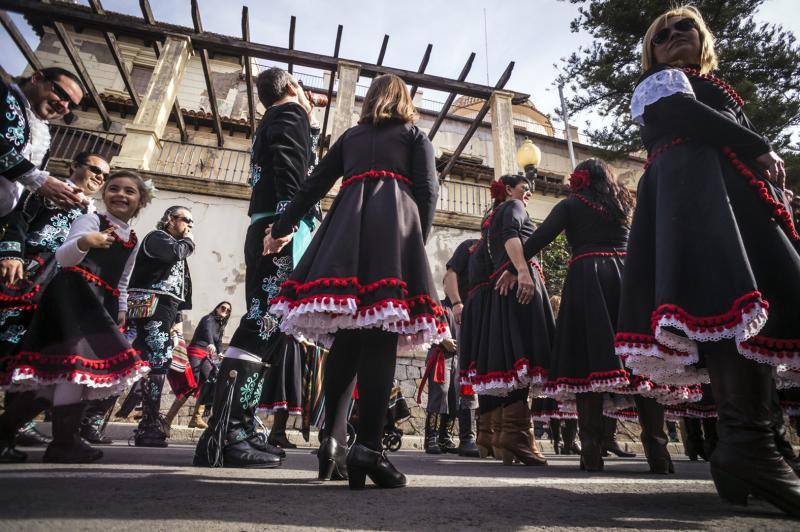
369	355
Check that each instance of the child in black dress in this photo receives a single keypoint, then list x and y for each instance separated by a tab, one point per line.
74	349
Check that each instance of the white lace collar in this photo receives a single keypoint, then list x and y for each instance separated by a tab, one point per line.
659	85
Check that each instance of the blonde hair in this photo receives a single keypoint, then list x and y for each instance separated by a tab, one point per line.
387	98
708	57
555	304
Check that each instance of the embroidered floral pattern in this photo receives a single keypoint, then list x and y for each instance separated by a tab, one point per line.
13	334
158	342
5	314
15	133
250	392
255	174
173	284
55	232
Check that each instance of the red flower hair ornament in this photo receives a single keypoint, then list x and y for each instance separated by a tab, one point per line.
498	191
579	179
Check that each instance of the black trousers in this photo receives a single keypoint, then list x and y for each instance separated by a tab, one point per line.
367	356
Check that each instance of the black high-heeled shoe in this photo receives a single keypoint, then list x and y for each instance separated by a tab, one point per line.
332	460
363	462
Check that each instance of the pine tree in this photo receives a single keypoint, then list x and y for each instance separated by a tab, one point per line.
761	61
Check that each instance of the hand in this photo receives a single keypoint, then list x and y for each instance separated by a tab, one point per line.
458	309
122	318
275	245
211	350
99	239
187	233
525	287
505	283
449	345
11	271
62	193
773	168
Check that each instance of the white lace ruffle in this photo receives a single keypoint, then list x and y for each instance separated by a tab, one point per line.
653	88
319	319
23	381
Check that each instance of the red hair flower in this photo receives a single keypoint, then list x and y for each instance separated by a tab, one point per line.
579	179
498	191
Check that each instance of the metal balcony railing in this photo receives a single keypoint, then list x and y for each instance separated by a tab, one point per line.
66	142
464	198
203	162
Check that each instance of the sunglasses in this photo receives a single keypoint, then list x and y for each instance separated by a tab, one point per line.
96	170
62	94
683	25
184	219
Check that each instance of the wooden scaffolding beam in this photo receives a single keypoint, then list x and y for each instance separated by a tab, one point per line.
330	91
248	72
111	41
450	98
204	61
20	41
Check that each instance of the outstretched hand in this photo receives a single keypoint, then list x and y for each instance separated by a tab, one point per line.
274	245
773	168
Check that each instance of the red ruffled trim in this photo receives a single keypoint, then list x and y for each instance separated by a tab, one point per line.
623	339
99	378
92	278
131	239
281	405
66	360
31	306
773	347
508	376
783	216
598	208
714	323
376	174
344	282
576	258
661	149
718	82
24	297
602	377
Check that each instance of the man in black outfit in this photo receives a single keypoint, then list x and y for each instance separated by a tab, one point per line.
279	163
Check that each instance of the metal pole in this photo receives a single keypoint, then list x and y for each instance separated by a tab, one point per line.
565	117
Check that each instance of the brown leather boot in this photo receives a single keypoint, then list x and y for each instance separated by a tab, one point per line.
197	421
516	438
496	427
484	439
177	404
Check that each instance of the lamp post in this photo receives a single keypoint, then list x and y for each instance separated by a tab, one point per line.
529	156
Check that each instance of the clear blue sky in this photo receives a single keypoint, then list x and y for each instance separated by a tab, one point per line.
533	33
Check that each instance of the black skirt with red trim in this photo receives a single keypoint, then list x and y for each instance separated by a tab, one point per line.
365	268
474	327
712	255
73	338
283	382
544	409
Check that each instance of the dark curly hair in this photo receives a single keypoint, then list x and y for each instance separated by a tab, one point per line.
604	189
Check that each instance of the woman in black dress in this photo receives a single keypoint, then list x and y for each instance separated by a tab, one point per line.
364	286
712	277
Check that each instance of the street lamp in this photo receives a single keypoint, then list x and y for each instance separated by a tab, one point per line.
528	156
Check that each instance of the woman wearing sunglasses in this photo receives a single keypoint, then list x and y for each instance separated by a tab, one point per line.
712	276
159	290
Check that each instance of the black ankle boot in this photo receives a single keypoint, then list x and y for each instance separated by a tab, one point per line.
332	459
569	432
363	462
94	420
431	442
228	440
590	423
746	460
277	435
610	444
555	435
151	431
447	423
67	446
654	439
18	412
466	434
693	440
782	443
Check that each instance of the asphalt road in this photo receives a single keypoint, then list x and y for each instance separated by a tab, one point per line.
158	489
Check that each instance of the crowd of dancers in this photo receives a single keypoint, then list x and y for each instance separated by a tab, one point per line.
681	302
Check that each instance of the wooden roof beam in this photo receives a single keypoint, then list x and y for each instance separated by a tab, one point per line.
19	40
147	14
204	61
111	41
450	98
121	24
475	123
382	53
422	66
248	71
330	90
292	23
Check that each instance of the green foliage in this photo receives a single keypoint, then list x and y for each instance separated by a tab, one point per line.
761	61
554	259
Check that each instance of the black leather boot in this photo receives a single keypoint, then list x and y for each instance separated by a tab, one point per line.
152	427
131	400
277	435
466	434
447	423
654	439
590	423
231	439
67	446
431	442
555	435
693	439
709	436
746	460
20	411
779	431
363	462
29	436
94	420
569	432
610	444
332	459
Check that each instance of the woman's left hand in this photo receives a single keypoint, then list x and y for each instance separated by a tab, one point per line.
121	319
773	168
275	245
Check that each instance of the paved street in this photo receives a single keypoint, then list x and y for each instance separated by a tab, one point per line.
157	489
